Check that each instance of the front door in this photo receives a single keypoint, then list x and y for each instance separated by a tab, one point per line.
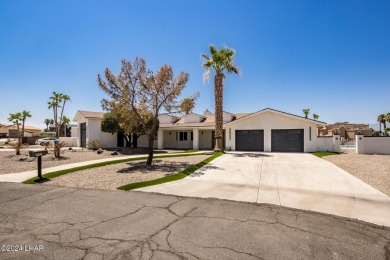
83	134
120	140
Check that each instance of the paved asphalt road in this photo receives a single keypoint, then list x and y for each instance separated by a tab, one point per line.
296	180
92	224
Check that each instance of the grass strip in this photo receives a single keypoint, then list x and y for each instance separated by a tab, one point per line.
54	174
322	154
174	177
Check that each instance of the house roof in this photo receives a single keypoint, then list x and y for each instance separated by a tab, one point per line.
26	128
88	114
278	112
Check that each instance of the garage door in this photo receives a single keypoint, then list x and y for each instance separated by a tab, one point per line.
249	140
287	140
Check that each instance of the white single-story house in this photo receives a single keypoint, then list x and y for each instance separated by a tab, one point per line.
267	130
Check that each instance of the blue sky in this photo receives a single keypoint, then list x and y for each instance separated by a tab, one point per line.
330	56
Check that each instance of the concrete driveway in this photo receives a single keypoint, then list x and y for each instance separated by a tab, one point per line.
62	223
298	180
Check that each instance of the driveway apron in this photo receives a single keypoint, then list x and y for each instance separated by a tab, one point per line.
296	180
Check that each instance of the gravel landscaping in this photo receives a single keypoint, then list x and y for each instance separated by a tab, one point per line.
112	176
10	163
372	169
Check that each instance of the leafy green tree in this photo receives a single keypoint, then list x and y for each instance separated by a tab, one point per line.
316	116
221	61
143	93
306	112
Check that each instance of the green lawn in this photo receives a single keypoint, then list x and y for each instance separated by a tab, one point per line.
322	154
174	177
51	175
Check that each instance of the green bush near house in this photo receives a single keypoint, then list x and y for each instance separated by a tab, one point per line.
322	154
174	177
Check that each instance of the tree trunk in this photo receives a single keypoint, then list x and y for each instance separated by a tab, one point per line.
218	93
135	140
127	140
150	150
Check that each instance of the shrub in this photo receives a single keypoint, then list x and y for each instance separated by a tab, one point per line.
94	144
56	148
17	146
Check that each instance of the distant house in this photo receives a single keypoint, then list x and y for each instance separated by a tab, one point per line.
345	130
3	131
29	131
267	130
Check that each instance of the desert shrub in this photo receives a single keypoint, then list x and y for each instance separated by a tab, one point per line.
56	148
17	146
94	144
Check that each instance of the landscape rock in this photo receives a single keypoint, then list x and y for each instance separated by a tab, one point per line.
114	153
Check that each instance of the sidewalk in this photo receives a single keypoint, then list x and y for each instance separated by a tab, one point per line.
22	176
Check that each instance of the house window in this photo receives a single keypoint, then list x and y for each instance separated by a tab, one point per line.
192	136
183	136
310	133
230	134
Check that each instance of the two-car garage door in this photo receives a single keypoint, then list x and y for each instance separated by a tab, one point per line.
282	140
250	140
287	140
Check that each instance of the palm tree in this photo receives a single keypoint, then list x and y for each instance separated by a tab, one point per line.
316	116
54	103
220	61
15	119
25	114
47	123
64	98
387	117
306	111
382	120
65	121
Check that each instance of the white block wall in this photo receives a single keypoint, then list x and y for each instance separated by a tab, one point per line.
372	145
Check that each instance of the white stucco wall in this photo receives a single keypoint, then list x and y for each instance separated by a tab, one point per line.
69	141
143	142
372	144
328	144
205	141
270	120
75	131
94	132
169	139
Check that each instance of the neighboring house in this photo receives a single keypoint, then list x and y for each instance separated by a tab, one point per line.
267	130
29	131
346	131
3	131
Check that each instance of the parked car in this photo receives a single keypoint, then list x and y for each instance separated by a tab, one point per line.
51	140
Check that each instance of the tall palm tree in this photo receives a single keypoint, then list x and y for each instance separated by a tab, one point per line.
54	104
64	98
387	117
15	119
316	116
382	120
220	61
25	114
47	123
306	111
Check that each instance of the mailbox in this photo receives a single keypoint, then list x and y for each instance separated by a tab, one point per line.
37	153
